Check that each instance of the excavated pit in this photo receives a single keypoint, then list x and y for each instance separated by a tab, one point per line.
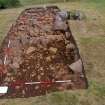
40	48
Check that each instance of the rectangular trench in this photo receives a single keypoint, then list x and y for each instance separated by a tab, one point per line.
39	55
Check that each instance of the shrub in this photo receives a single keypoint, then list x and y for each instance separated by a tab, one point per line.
9	3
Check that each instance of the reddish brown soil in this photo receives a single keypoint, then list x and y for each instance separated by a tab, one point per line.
39	53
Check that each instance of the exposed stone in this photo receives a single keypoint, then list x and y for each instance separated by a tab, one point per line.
67	35
7	79
36	87
39	77
23	92
42	74
12	78
59	25
67	41
61	88
76	66
30	50
17	87
8	74
53	50
70	46
48	59
24	39
63	15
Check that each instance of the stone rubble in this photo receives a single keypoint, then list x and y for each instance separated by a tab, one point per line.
43	49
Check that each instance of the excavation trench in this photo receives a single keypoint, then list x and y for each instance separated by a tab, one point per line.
39	55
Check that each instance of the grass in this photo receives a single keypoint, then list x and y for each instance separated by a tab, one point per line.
9	3
90	37
30	2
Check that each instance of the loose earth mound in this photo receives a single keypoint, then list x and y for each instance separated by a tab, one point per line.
39	55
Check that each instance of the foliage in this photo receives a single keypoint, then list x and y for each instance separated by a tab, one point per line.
9	3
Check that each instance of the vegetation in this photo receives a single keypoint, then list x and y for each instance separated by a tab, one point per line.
9	3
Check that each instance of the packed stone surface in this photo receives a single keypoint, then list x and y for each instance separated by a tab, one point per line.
42	48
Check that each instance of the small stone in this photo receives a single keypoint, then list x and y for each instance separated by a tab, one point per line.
48	59
61	88
17	59
36	87
67	42
41	68
52	68
33	75
7	79
53	57
30	50
8	74
59	24
19	74
45	49
42	74
17	87
15	65
81	76
23	92
12	78
24	70
53	50
39	77
24	39
76	66
67	35
70	46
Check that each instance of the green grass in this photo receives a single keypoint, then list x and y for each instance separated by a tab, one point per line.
90	37
9	3
29	2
